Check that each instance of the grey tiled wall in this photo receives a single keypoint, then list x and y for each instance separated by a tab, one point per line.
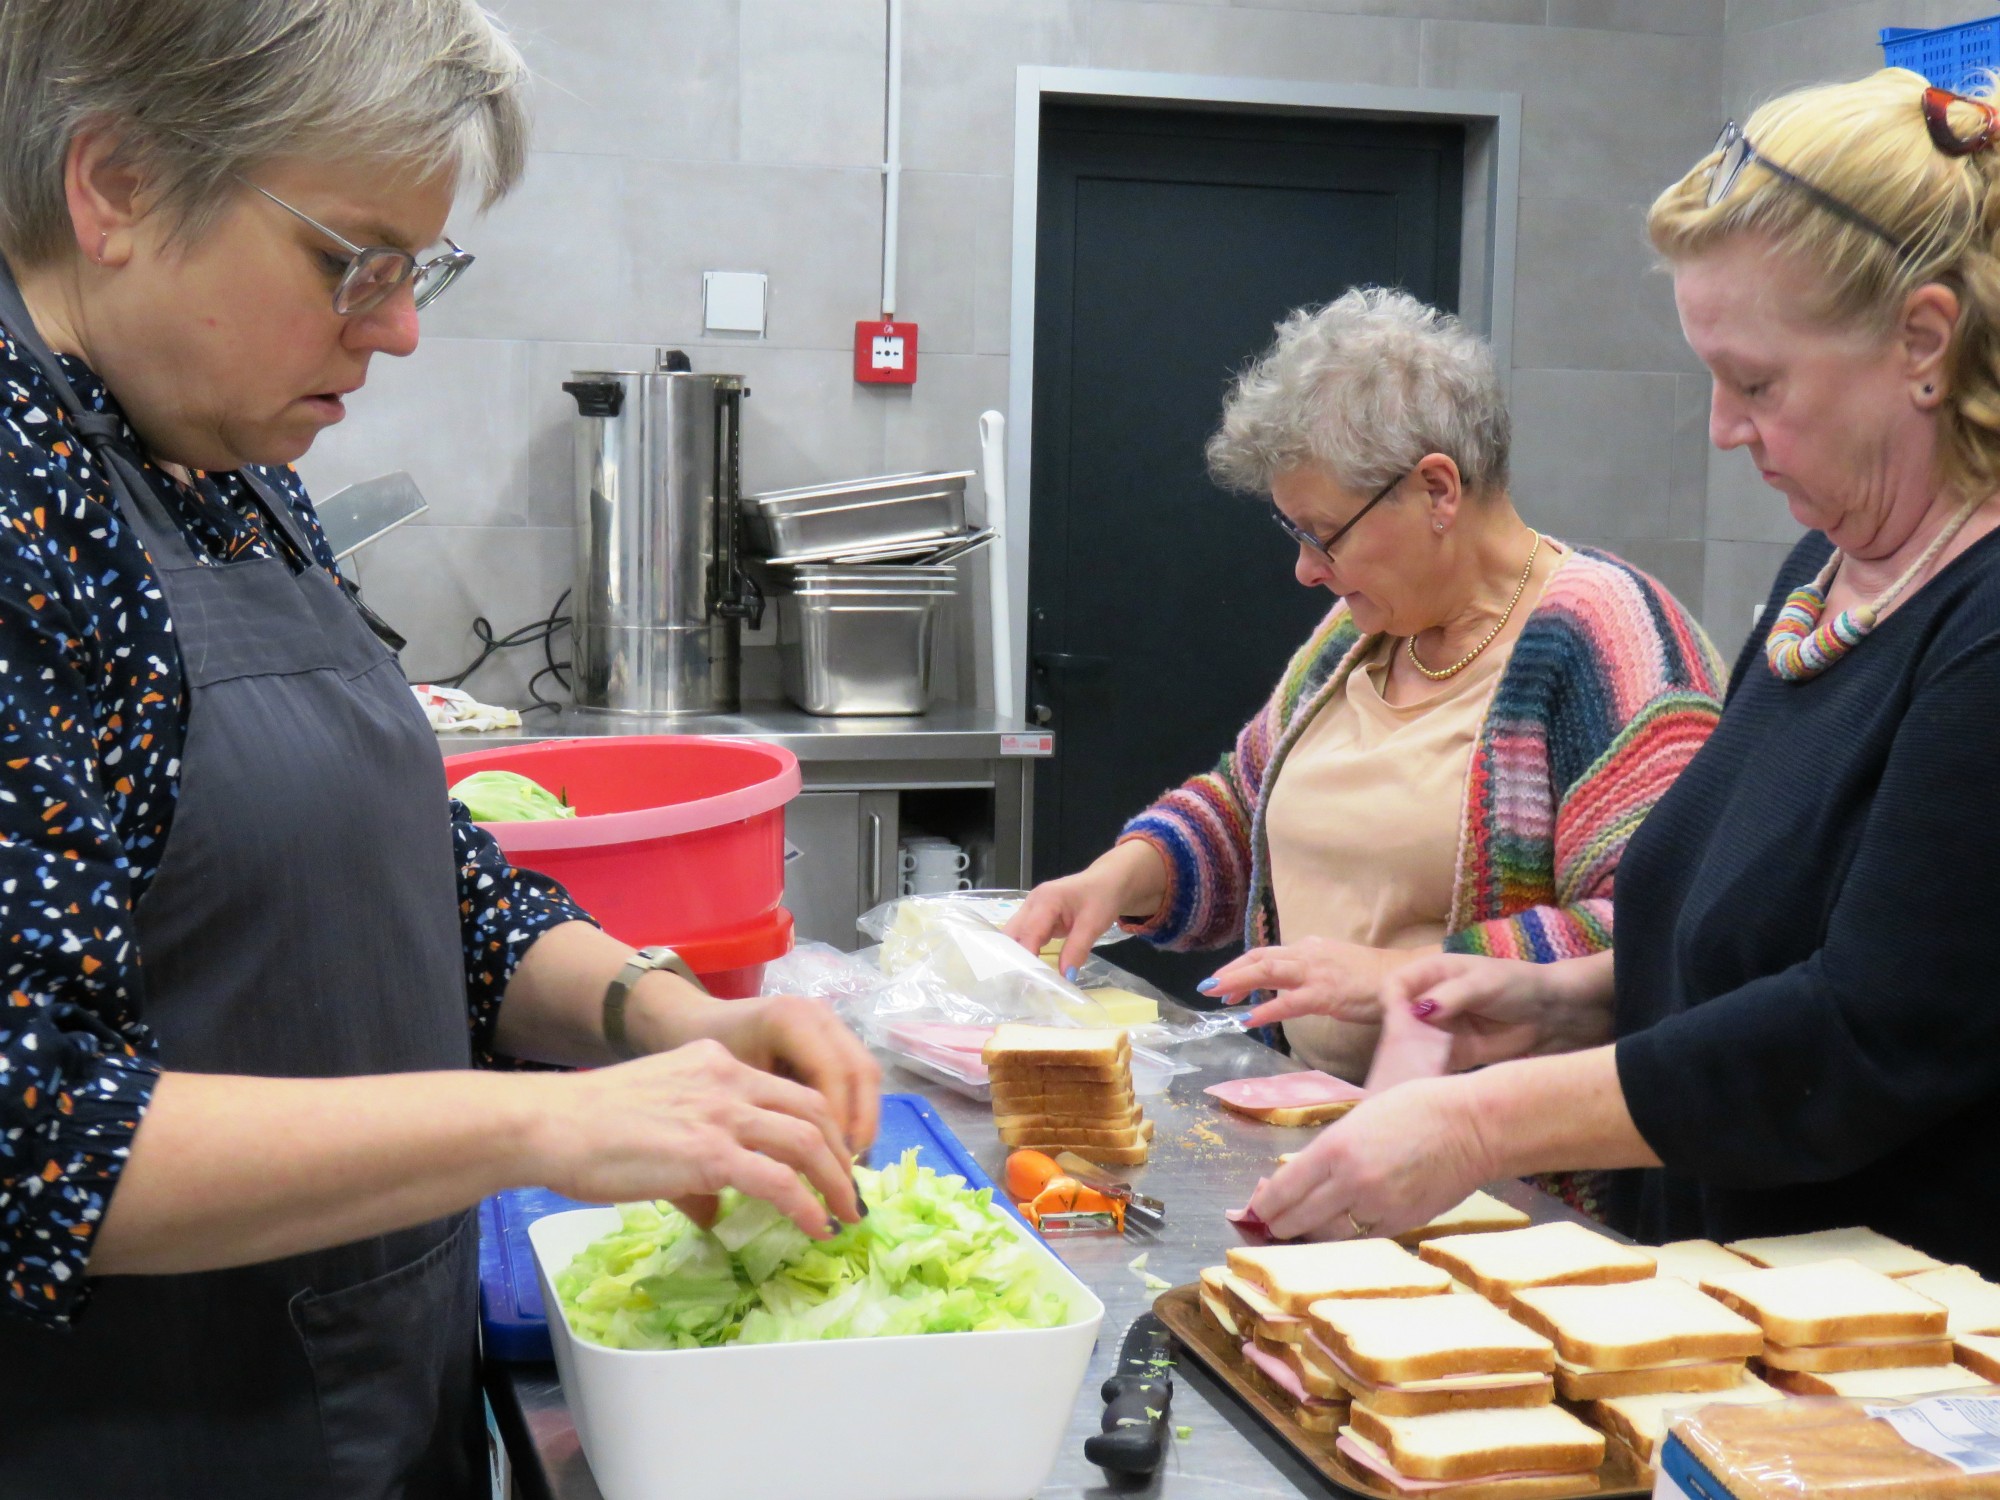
676	136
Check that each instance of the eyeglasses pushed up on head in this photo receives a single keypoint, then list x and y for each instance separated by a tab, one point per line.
376	272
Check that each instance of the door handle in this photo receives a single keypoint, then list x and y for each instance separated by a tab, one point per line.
875	859
1070	663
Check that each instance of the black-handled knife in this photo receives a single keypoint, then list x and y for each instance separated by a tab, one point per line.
1138	1398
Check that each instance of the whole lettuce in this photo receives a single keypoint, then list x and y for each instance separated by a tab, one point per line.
504	797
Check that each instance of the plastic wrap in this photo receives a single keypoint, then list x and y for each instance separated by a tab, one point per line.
945	975
1824	1445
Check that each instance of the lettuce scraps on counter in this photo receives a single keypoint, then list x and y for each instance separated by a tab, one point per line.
931	1257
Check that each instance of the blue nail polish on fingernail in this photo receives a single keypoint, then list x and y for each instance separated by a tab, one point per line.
1207	987
1070	973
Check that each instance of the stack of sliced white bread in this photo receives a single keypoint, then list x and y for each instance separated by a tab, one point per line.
1067	1088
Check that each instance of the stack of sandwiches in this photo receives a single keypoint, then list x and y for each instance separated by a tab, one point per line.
1067	1088
1636	1352
1837	1328
1265	1296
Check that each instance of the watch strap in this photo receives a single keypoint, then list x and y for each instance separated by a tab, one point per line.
640	964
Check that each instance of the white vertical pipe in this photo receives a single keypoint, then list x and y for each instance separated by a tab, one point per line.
993	462
892	160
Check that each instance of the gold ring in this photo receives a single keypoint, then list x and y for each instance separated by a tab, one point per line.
1361	1231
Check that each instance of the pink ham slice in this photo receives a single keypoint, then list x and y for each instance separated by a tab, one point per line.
1360	1455
1284	1376
943	1037
1283	1091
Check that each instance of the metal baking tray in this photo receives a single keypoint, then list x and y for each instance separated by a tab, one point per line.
823	521
1621	1475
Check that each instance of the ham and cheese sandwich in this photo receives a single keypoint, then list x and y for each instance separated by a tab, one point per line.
1971	1302
1637	1337
1560	1254
1832	1316
1430	1354
1694	1261
1640	1422
1508	1454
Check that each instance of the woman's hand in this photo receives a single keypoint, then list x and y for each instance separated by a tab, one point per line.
1129	880
1314	977
1498	1008
683	1125
1397	1160
802	1040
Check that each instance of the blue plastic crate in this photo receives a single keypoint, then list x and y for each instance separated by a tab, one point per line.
1952	57
510	1295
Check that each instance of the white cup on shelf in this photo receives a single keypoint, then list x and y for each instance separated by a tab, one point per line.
932	866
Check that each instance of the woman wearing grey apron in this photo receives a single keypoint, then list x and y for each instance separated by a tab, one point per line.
251	950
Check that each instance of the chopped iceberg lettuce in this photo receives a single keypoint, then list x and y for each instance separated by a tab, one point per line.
930	1257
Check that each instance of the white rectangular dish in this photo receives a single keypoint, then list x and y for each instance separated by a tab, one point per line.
941	1416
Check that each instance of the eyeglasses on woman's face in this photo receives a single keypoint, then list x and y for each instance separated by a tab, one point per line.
374	273
1325	548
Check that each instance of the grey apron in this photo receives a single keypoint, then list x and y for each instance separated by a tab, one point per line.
303	924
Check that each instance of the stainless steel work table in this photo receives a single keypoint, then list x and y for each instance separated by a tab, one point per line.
1204	1161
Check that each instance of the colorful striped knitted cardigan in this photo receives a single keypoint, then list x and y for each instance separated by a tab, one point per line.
1610	689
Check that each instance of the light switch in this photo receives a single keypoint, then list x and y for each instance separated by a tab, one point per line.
733	301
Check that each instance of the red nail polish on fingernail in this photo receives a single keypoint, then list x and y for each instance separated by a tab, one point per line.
1423	1010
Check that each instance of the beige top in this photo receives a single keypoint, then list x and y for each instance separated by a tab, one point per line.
1366	815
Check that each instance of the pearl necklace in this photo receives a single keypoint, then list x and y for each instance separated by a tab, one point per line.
1501	624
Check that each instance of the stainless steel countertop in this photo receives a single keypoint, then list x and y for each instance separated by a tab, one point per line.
1204	1161
941	734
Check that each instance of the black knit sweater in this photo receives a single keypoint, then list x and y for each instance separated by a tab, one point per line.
1808	977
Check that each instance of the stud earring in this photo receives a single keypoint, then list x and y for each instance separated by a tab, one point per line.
1440	526
1930	390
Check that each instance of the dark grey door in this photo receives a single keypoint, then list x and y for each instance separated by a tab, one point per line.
1162	610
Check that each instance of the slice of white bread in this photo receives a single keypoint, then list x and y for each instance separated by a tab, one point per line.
1918	1380
1560	1254
1979	1353
1971	1302
1296	1276
1635	1325
1109	1119
1015	1044
1257	1312
1094	1097
1829	1302
1428	1338
1482	1213
1862	1246
1021	1130
1465	1445
1104	1156
1295	1115
1640	1422
1694	1261
1574	1383
1864	1354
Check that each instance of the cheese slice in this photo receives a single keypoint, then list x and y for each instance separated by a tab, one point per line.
1440	1383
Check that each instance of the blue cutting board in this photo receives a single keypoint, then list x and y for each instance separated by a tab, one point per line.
510	1296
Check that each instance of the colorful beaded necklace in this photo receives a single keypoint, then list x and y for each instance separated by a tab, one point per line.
1802	644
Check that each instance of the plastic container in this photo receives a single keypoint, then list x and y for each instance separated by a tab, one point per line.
1952	57
678	839
941	1416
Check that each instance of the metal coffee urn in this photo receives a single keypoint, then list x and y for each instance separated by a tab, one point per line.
661	596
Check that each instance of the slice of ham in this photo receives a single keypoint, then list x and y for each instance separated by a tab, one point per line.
1284	1376
1408	1049
1370	1457
1283	1091
945	1037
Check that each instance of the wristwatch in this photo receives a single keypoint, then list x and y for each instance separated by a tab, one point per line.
644	962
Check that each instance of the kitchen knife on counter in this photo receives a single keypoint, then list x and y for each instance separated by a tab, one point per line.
1138	1401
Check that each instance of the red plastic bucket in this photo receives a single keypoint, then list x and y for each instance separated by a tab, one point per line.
678	839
